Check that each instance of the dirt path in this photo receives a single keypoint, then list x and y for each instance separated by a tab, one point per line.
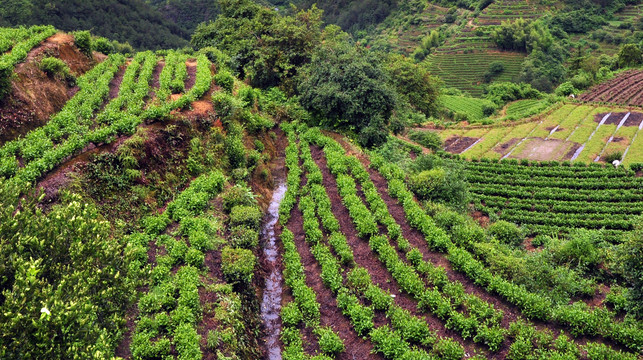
191	79
365	257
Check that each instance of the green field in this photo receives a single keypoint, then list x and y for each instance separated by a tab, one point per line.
472	107
574	125
465	71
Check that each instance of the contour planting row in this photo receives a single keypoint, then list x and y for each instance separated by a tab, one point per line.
463	312
579	319
170	310
484	334
610	89
22	42
408	336
74	118
73	129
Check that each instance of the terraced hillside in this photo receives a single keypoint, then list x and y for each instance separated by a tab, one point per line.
509	10
625	89
577	133
465	71
370	272
550	199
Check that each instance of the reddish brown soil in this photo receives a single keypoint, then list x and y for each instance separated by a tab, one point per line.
599	296
156	75
451	141
504	148
330	313
550	128
481	218
571	151
618	90
614	119
191	80
461	145
34	96
634	119
59	177
115	84
365	257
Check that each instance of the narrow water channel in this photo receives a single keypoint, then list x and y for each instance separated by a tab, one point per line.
271	302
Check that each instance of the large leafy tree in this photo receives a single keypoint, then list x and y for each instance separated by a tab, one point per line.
346	87
413	83
264	46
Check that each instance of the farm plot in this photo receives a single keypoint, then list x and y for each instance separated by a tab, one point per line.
558	198
503	10
473	108
572	132
626	89
92	116
465	71
371	254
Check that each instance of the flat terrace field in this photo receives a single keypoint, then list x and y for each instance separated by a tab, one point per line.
503	10
578	133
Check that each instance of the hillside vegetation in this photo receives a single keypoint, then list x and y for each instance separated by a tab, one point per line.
280	187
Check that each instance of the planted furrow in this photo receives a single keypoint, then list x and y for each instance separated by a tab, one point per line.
365	258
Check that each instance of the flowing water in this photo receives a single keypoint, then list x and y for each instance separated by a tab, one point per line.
271	303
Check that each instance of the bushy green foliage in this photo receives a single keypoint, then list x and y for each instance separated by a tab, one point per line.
506	233
83	40
428	139
59	285
55	67
243	237
237	264
329	342
504	92
249	216
632	258
290	314
224	79
347	89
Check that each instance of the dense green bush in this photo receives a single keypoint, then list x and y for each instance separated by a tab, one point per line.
83	40
249	216
238	195
55	67
428	139
506	233
237	264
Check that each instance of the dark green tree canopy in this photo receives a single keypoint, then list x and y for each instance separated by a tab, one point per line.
264	46
346	88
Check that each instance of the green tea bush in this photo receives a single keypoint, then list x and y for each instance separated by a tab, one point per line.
428	139
506	233
237	264
55	67
224	79
242	237
249	216
238	195
291	315
329	342
83	40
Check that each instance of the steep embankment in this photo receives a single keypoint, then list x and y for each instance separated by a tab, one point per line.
34	95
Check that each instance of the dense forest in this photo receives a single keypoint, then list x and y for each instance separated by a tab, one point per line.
129	21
